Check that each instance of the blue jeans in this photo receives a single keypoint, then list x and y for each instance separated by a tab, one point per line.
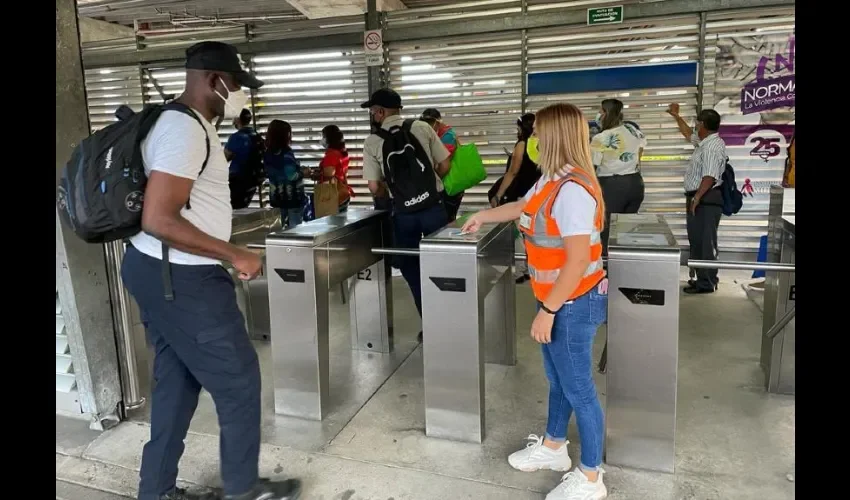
408	229
568	360
294	216
199	340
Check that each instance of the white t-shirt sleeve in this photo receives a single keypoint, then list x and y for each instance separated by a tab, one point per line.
176	145
574	210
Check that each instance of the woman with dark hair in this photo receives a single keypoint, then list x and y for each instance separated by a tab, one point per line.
521	175
334	165
522	171
286	177
616	155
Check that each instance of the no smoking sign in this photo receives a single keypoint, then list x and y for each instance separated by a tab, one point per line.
373	47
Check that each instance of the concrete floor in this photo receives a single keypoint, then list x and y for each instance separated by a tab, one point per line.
733	439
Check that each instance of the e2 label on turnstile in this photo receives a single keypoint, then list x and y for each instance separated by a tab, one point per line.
792	292
365	275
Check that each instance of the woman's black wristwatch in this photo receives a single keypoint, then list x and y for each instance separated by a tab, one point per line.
546	309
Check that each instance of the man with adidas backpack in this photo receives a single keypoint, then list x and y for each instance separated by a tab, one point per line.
161	177
406	160
704	192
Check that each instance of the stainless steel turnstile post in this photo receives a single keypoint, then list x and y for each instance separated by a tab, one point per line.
643	342
250	227
778	351
304	263
468	318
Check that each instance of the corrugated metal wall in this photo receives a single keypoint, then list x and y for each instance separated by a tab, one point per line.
735	43
109	88
312	89
67	399
629	43
475	82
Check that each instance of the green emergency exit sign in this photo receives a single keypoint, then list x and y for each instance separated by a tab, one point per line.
605	15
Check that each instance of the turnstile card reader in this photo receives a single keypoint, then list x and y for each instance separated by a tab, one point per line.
303	264
468	318
643	342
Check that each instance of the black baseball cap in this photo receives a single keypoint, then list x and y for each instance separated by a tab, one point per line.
222	57
431	113
385	98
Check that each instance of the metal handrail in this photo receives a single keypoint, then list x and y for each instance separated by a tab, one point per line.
745	265
779	325
396	251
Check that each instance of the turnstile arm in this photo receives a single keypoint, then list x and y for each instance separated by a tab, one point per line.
784	320
396	251
756	266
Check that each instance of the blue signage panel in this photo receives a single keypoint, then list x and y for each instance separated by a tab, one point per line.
649	76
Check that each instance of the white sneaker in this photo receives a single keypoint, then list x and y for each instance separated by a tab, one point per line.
396	273
575	486
536	457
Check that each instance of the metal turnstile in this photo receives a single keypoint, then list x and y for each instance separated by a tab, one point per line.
782	202
643	342
303	264
778	346
250	227
468	318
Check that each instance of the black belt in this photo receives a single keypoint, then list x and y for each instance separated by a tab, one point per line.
691	194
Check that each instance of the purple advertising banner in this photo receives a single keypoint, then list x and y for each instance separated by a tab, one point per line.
763	95
757	153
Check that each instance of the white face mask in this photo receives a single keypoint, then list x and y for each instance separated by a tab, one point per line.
234	102
599	118
324	142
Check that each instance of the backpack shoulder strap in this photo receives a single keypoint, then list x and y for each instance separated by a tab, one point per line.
383	134
186	110
407	125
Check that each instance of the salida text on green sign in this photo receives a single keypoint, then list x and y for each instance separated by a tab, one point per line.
605	15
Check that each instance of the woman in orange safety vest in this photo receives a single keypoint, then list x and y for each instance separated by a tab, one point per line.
562	218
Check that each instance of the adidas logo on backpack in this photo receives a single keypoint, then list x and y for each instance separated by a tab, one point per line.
419	199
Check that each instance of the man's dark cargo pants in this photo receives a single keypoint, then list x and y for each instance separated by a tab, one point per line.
200	341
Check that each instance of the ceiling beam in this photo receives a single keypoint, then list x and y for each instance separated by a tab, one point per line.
564	17
320	9
95	60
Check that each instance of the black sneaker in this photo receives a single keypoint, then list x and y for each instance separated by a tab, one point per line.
182	494
289	489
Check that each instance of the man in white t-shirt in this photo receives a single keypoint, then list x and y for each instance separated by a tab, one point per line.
189	306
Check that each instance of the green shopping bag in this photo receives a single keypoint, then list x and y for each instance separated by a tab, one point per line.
467	170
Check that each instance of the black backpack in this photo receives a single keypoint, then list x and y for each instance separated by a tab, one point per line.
256	167
733	199
407	170
101	191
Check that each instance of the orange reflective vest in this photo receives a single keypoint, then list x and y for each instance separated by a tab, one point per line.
544	244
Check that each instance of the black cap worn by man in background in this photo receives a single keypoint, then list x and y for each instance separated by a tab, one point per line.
431	114
218	56
385	98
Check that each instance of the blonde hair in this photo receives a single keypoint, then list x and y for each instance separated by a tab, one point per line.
564	139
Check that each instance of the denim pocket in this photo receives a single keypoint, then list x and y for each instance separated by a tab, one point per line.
598	306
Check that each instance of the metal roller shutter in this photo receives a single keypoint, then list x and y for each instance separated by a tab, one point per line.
67	399
735	43
312	89
109	88
475	82
631	43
